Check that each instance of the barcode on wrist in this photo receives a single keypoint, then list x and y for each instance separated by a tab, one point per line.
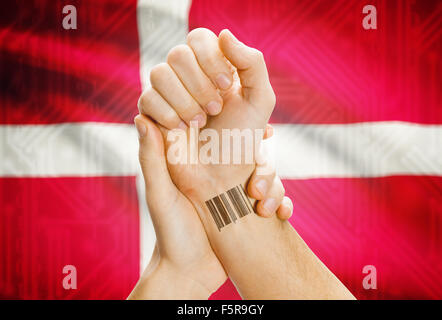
229	206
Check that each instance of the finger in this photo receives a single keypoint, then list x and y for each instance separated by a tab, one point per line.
159	186
182	60
273	199
285	210
152	104
251	69
204	44
165	81
268	133
261	181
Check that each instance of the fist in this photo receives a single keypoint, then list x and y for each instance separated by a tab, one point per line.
217	83
203	76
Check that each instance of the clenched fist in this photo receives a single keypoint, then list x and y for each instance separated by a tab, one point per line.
219	83
204	76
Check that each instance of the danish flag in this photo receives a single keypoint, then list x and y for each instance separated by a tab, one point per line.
358	137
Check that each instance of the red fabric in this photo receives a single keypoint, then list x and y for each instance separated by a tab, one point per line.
393	223
53	75
325	68
48	223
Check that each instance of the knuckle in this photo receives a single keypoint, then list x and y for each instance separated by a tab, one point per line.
188	115
212	60
199	34
257	55
191	112
171	120
140	104
214	65
280	186
145	101
158	72
199	88
179	53
271	98
206	91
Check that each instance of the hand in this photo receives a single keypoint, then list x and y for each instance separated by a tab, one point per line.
183	264
184	88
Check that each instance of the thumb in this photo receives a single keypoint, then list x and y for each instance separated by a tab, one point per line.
250	65
159	186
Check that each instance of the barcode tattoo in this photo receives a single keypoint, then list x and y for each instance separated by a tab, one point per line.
229	206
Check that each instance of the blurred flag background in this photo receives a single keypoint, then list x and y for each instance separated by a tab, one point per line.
358	137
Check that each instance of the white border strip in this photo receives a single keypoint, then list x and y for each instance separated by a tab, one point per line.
301	151
162	24
69	149
369	149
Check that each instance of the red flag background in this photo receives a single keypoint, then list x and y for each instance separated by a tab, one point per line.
51	76
358	114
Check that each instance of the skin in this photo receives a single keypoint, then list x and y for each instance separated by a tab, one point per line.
183	255
265	258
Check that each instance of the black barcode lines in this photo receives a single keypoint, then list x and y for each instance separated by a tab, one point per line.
229	206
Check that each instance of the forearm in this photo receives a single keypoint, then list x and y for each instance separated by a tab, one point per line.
267	259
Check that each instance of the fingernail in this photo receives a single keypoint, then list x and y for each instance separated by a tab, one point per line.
270	205
213	108
182	125
141	128
223	81
261	186
200	119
